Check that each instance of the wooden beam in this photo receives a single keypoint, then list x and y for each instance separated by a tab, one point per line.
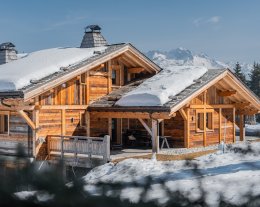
220	125
226	93
63	122
213	106
27	119
109	78
135	70
110	127
183	114
187	143
204	129
241	105
146	126
35	133
87	121
119	131
204	119
66	107
241	128
234	124
131	115
155	137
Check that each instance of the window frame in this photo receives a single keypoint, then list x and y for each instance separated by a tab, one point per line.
202	111
5	113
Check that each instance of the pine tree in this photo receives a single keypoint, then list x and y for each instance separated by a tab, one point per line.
255	79
239	73
255	83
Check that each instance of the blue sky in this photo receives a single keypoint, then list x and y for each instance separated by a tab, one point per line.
227	30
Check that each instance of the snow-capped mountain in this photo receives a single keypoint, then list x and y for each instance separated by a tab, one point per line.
181	56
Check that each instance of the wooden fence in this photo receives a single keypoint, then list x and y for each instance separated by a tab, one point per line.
79	145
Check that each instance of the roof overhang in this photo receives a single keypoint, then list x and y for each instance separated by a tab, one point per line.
35	91
242	90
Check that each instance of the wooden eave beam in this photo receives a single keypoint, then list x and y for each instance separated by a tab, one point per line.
213	106
132	115
226	93
136	70
27	119
241	105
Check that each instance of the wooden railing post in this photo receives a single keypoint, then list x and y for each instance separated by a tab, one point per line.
62	151
106	148
89	148
75	147
48	138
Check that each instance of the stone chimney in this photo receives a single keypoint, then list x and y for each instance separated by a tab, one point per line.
93	37
7	53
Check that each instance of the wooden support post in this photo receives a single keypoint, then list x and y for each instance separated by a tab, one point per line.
185	116
204	120
122	77
220	125
119	131
109	78
106	156
110	127
188	129
35	134
63	122
242	128
87	121
155	137
87	88
234	124
204	129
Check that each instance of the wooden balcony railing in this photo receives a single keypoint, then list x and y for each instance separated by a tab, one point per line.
79	145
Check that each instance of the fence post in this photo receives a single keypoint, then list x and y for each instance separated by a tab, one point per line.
106	148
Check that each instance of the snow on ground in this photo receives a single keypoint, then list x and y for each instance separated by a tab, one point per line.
253	128
231	175
36	65
160	88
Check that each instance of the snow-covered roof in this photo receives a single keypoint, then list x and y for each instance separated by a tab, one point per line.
161	88
36	65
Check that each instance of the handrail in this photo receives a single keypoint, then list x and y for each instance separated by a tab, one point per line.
79	145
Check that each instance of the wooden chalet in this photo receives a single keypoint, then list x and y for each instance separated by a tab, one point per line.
79	101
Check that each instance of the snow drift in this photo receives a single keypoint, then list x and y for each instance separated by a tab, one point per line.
159	89
34	66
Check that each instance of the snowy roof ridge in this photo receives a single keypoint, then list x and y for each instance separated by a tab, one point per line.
50	67
108	104
162	87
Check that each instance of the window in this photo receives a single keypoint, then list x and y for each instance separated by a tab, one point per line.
114	74
4	123
200	122
208	120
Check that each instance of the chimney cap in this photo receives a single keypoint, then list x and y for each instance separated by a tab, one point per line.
93	28
6	46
